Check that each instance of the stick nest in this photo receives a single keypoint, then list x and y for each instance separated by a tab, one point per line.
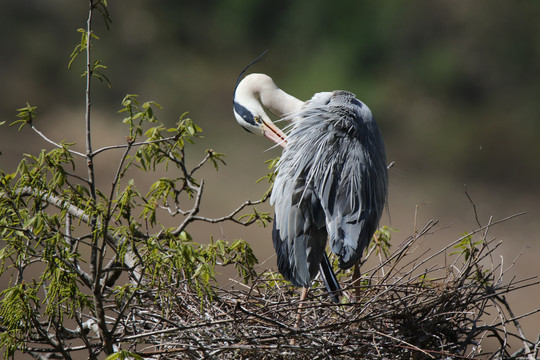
438	304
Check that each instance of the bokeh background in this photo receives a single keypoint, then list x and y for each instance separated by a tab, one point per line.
454	86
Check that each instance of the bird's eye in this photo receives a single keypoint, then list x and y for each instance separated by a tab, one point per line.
257	119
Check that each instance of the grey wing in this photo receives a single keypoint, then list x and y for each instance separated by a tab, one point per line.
299	233
332	180
349	175
352	193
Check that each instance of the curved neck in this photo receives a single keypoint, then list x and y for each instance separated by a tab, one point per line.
278	102
261	88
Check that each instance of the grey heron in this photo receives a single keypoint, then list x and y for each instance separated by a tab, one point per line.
331	180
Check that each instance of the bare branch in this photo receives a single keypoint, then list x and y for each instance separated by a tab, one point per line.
194	210
201	163
55	143
473	205
135	144
231	216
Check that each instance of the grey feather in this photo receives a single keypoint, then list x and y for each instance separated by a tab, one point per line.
332	181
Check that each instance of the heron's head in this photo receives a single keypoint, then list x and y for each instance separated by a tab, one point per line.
249	111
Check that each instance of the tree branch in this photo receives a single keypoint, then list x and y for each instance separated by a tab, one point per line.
194	210
141	143
54	143
231	216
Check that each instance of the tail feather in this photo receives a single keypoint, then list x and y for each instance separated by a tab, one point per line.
329	278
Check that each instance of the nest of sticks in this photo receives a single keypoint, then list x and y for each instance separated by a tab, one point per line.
436	304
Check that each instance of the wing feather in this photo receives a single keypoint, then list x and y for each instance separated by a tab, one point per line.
331	181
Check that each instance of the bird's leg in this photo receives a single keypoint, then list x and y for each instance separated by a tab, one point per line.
356	281
303	297
299	313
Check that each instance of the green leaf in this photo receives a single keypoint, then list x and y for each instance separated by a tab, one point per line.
79	47
26	115
98	73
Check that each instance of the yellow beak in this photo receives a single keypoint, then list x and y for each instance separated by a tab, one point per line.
274	133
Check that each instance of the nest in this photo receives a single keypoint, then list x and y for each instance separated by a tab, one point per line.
436	304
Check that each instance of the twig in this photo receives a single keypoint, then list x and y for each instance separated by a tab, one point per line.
170	330
194	210
473	205
514	319
231	216
42	135
135	144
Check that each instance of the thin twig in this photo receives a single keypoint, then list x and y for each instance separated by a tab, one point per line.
42	135
194	210
231	216
135	144
473	205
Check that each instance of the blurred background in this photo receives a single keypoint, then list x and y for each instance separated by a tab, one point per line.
453	85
